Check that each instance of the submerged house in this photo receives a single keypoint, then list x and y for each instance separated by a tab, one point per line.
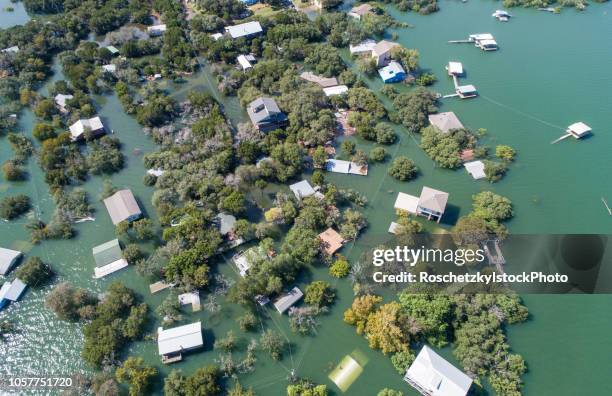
431	203
347	167
302	189
171	343
382	52
323	82
454	69
432	375
93	125
8	259
392	73
266	115
466	91
108	258
60	102
476	169
248	29
331	241
122	206
360	10
484	41
445	122
11	291
245	260
246	61
364	47
501	15
286	301
156	30
579	130
11	50
335	90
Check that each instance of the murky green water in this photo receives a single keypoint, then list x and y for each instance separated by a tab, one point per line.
551	71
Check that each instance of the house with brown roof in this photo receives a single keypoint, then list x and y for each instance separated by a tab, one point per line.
445	122
432	203
323	82
331	241
360	10
382	52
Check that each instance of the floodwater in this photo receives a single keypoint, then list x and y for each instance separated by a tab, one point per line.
551	71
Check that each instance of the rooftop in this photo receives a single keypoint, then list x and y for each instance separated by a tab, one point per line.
336	90
392	71
8	258
286	301
302	189
433	374
579	128
60	99
225	222
476	169
383	47
12	290
180	338
433	199
245	61
455	68
446	121
406	202
361	9
244	29
78	128
320	80
262	108
122	206
341	166
365	46
108	258
331	241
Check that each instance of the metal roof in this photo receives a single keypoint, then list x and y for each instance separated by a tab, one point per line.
437	376
121	206
336	90
107	253
302	189
78	128
286	301
12	290
476	169
261	109
8	258
179	338
244	29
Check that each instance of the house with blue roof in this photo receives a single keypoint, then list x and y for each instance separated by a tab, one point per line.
394	72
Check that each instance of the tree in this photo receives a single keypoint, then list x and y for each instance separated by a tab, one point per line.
494	171
34	272
14	206
273	343
234	202
247	322
391	392
70	303
12	171
319	157
340	268
43	131
388	329
143	229
45	109
357	315
403	169
319	294
470	231
238	390
362	99
402	360
205	381
134	372
174	383
306	388
348	147
378	154
492	207
505	153
384	133
413	108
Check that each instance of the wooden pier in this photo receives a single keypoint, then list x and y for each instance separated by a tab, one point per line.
460	41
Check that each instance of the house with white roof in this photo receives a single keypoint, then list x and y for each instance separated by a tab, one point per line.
579	129
335	90
454	69
8	258
11	50
248	29
171	343
11	291
122	206
286	301
466	91
484	41
245	260
445	122
112	49
246	61
302	189
432	375
60	101
346	167
392	73
156	30
110	68
431	203
93	125
191	298
476	169
216	36
108	258
364	47
382	52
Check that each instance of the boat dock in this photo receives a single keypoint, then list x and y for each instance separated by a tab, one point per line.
460	41
561	138
606	205
159	286
496	258
462	91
